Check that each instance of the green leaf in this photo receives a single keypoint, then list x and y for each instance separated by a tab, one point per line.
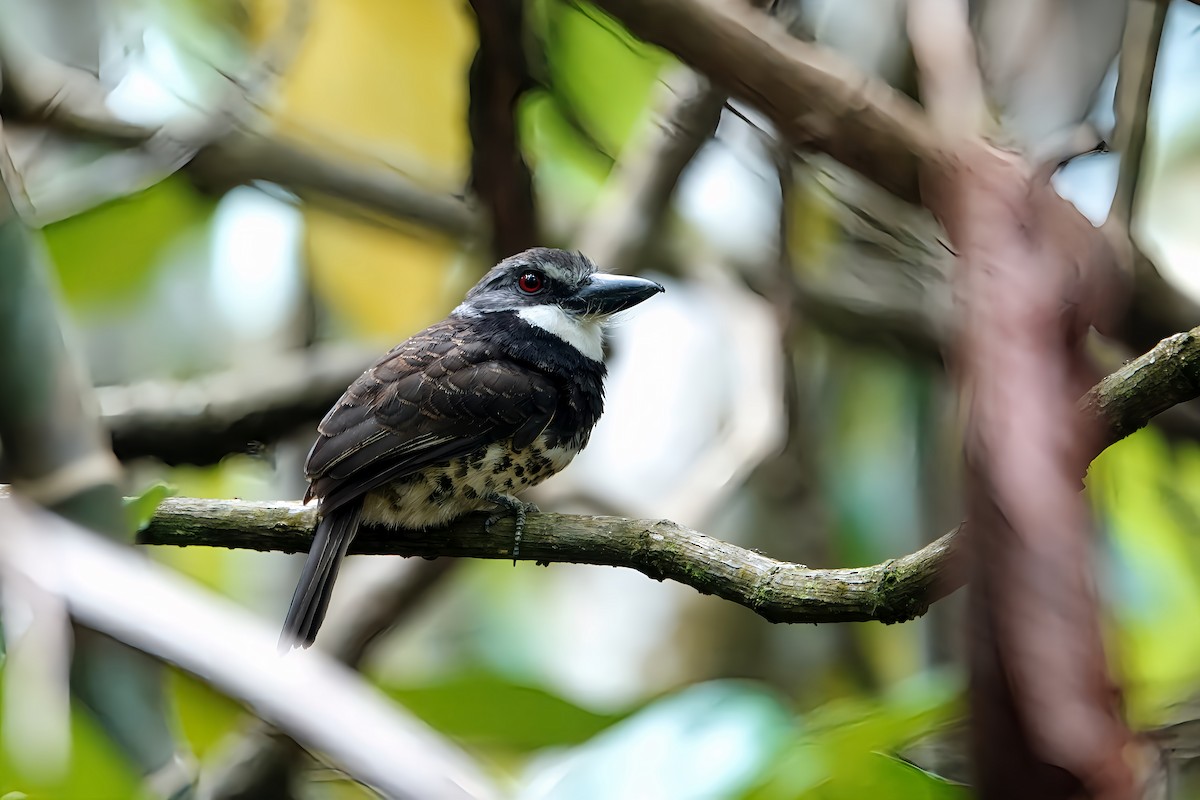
488	709
110	253
140	510
1144	489
206	715
566	165
707	742
603	73
837	754
96	768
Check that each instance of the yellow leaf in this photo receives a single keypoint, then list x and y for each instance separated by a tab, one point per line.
389	78
384	282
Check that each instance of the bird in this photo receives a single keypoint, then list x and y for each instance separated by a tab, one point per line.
463	415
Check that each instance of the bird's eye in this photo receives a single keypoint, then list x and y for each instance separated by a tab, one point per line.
531	282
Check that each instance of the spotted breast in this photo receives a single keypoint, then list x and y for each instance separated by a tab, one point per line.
446	491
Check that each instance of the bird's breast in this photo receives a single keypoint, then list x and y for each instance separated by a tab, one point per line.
443	492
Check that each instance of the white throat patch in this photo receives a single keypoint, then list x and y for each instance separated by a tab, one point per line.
584	334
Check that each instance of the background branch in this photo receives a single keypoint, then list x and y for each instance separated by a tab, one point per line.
1144	24
324	705
894	591
332	172
821	102
1158	308
203	420
499	174
817	99
55	450
265	762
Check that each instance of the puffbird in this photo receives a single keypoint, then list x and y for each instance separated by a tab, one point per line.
465	414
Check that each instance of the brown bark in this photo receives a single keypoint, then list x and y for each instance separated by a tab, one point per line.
499	174
1032	275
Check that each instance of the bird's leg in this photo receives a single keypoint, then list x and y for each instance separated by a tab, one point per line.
507	504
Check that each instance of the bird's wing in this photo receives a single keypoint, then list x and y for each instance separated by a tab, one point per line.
437	396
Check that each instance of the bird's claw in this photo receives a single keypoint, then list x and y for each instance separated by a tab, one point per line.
509	505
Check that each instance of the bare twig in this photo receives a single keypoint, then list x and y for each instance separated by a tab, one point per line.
1139	56
951	86
1158	308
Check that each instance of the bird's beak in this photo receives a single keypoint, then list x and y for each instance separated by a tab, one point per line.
606	294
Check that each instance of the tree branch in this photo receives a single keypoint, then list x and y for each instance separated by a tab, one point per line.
203	420
1147	386
333	172
1135	78
231	146
1032	276
265	761
893	591
1158	308
499	174
818	100
55	449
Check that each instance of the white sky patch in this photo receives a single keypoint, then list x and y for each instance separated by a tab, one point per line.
730	192
149	93
255	254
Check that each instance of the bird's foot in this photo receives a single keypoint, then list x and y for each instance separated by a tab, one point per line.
507	504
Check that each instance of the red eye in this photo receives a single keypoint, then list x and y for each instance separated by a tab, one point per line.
531	282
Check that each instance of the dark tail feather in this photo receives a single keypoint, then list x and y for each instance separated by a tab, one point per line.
311	599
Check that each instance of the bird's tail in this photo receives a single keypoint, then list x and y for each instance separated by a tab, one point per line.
309	603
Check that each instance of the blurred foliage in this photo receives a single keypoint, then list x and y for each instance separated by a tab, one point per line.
565	163
107	256
598	70
205	715
392	75
841	749
487	709
705	742
1147	493
96	769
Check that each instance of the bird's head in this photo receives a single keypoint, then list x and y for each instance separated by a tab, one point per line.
559	292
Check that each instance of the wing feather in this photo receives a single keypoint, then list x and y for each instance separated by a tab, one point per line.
438	396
